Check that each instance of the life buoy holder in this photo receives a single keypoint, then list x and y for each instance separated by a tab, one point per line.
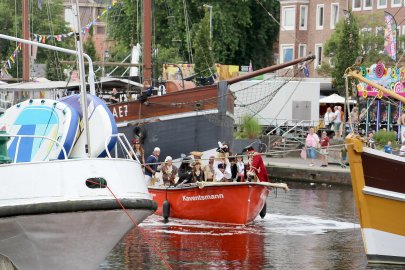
140	133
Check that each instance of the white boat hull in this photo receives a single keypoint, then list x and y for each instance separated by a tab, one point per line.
79	240
50	218
384	247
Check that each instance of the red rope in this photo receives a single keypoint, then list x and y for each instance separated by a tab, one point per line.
145	237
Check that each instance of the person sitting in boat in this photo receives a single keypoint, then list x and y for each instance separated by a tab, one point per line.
137	151
115	96
209	170
234	168
185	171
197	173
151	165
256	165
241	168
169	172
197	155
222	167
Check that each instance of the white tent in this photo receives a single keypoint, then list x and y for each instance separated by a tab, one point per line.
334	98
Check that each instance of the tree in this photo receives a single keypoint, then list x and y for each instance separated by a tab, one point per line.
44	22
242	31
344	47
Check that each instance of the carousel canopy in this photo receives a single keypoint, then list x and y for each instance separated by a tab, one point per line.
334	98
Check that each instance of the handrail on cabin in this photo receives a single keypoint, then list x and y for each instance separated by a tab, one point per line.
35	137
122	139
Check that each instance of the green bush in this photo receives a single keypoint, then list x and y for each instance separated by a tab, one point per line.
382	137
250	128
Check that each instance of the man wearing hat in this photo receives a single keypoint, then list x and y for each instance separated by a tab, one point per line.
256	164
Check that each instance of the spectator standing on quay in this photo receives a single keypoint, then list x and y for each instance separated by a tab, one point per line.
328	118
311	144
370	140
324	149
151	165
337	121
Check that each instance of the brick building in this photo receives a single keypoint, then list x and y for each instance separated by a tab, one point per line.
307	24
89	10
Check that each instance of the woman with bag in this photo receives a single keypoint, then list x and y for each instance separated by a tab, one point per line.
311	144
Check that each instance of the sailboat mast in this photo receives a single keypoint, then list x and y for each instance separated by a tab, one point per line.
147	41
82	75
25	47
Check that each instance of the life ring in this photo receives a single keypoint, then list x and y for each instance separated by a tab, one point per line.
140	133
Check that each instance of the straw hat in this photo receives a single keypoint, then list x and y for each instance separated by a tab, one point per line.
196	153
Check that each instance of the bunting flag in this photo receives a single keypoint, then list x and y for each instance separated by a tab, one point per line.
10	61
305	69
62	37
390	43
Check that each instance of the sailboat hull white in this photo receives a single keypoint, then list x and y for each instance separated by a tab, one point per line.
79	240
50	218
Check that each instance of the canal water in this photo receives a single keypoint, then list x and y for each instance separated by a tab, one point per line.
309	227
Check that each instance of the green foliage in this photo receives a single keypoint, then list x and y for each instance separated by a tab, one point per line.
250	128
89	47
383	136
242	31
41	22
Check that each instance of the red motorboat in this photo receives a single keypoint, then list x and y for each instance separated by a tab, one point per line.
224	202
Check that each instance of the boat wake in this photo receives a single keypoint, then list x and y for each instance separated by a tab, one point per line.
272	223
303	224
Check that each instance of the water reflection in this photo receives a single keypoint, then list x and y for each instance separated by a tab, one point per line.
307	228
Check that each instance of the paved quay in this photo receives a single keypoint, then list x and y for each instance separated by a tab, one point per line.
298	169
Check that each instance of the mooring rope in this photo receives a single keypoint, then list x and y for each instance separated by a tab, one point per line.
144	236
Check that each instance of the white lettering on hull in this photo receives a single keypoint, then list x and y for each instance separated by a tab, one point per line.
203	198
120	111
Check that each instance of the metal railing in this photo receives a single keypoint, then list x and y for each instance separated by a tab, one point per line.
19	137
124	143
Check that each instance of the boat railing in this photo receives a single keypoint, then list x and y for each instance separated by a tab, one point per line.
123	142
19	137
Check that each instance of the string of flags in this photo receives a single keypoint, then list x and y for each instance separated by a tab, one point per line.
10	61
44	38
62	37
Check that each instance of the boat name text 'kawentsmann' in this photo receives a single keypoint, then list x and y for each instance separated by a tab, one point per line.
203	198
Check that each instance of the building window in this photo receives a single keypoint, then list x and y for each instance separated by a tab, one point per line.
318	55
100	30
334	15
396	3
368	4
288	14
303	17
319	17
356	4
381	3
287	53
302	50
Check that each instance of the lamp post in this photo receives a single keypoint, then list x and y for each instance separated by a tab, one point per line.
210	7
